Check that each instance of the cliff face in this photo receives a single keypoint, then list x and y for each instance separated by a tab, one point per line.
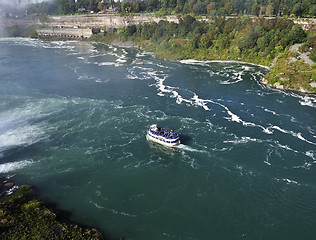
18	22
106	21
65	32
80	25
68	25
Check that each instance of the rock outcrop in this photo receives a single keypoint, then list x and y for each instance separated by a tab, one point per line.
81	25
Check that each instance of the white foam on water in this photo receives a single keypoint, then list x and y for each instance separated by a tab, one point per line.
303	99
243	140
113	48
26	42
144	54
22	125
132	74
121	60
121	213
196	62
236	78
143	68
98	80
308	101
11	190
15	129
194	100
198	102
105	63
310	154
190	149
85	77
270	111
290	181
24	135
95	204
97	55
13	166
267	162
286	147
163	66
294	134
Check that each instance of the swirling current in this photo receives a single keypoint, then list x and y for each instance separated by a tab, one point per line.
73	119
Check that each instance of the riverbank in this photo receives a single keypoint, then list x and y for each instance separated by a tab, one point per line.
287	71
262	41
284	72
23	216
265	42
278	77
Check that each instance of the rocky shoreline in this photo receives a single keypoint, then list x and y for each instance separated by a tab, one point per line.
23	216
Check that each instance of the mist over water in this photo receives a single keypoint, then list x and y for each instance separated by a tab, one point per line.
73	119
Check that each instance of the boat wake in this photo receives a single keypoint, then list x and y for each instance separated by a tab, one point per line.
190	149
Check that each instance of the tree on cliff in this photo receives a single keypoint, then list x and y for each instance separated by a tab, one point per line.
210	7
297	34
67	6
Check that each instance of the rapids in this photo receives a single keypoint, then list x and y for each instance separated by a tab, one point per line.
73	120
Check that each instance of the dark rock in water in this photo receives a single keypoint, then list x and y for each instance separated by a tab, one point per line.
9	185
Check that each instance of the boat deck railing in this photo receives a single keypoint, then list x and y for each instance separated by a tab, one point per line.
165	133
171	141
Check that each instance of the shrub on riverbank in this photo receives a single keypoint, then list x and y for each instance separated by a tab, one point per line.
24	217
22	32
253	40
289	72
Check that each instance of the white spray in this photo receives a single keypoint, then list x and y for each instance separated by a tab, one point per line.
12	8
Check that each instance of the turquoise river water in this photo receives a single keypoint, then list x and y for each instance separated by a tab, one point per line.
73	120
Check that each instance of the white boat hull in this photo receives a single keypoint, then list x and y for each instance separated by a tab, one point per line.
168	144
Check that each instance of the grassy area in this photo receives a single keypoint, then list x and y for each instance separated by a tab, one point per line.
289	72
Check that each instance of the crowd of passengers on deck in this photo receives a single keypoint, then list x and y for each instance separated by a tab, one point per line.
165	133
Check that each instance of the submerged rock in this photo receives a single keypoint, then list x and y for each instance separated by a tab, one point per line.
9	185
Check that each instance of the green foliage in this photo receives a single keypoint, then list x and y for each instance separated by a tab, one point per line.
292	73
130	30
312	56
237	38
312	10
24	217
297	34
22	32
212	8
66	6
240	39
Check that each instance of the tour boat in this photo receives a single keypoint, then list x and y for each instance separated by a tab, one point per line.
163	136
